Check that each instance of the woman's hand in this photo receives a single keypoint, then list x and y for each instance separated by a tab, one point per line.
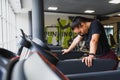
93	47
65	51
88	60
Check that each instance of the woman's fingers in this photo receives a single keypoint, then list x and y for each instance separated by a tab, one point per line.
83	59
64	51
88	61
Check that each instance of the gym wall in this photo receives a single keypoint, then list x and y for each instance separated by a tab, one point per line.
114	22
54	34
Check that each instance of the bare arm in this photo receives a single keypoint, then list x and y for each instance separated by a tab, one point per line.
74	43
94	43
93	49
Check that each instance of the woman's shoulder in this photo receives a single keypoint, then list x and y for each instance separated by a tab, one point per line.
96	21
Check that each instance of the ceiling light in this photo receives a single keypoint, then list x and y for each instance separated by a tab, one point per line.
114	1
89	11
52	8
118	14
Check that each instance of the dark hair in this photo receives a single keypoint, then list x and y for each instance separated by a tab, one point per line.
77	21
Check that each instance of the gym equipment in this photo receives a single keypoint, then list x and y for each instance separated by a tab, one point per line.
41	64
8	58
38	46
37	67
64	64
70	55
52	47
42	48
109	75
24	42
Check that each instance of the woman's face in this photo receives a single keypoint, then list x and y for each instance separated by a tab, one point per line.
82	29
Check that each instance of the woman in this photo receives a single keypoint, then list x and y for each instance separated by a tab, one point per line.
96	39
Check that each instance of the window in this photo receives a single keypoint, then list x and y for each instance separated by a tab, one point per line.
7	26
4	34
3	9
108	29
0	23
0	32
0	7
